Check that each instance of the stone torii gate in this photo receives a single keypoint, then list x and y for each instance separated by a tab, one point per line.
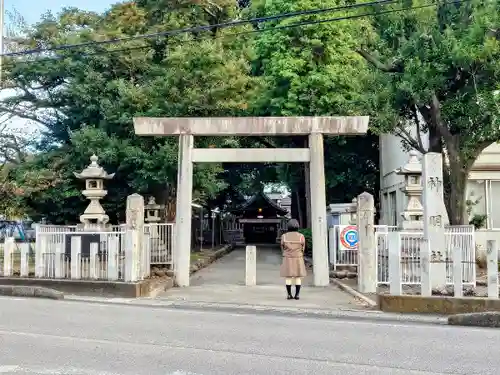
186	128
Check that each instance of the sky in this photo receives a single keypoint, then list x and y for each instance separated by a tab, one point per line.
31	10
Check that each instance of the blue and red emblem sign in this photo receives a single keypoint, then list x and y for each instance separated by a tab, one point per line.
349	237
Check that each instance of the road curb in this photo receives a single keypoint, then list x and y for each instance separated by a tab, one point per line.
30	291
346	314
354	293
482	319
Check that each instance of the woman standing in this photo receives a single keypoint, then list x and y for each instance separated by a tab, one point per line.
293	268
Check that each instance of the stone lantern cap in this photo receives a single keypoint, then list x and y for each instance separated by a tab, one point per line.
413	166
94	171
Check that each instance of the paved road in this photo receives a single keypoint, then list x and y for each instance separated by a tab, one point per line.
224	282
72	338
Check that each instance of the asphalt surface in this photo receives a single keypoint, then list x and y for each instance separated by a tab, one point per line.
61	337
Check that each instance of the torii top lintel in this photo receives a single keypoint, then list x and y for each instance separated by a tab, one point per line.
169	126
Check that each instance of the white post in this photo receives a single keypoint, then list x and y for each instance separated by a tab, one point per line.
394	242
94	249
134	242
112	263
318	210
457	271
40	252
25	265
146	255
182	251
8	252
76	253
492	253
433	251
331	245
251	266
58	261
367	257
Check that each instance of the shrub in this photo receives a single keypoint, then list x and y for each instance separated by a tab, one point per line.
309	242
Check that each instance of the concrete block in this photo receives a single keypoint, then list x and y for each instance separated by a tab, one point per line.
30	291
484	319
436	304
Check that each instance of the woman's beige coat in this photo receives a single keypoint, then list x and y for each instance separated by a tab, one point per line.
293	245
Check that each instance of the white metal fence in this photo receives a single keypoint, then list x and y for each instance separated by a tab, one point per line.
345	256
71	252
461	237
160	239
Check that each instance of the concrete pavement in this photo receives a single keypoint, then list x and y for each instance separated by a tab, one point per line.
223	282
61	337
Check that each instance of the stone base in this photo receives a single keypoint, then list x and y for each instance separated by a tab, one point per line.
436	305
144	288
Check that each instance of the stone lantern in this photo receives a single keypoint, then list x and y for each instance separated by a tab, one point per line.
412	171
94	176
152	211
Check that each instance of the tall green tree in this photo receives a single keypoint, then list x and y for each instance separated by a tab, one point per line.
437	69
86	98
315	70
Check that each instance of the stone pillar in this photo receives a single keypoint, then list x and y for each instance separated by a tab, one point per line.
76	252
318	210
367	258
433	249
492	254
182	250
134	236
251	266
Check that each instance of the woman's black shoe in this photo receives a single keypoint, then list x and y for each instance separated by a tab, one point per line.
297	291
289	292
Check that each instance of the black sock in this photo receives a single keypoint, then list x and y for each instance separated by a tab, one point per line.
289	290
297	290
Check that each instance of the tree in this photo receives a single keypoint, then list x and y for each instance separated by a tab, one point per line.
309	71
438	69
85	99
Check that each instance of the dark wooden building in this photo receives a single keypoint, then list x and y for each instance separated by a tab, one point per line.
262	219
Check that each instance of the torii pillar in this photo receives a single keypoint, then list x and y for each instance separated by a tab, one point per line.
186	128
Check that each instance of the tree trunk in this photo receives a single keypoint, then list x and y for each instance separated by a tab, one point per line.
455	177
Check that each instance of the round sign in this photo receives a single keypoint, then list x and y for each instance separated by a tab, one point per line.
349	237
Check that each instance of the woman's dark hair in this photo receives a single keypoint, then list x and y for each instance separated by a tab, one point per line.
293	225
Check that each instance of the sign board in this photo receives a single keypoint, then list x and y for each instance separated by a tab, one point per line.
348	237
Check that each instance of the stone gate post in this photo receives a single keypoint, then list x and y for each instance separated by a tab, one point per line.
367	255
134	242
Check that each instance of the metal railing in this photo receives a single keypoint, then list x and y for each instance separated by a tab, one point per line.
461	237
345	256
160	239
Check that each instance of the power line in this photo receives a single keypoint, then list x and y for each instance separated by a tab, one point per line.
202	28
258	31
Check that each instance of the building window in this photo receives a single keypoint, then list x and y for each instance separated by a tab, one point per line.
385	207
393	208
482	199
